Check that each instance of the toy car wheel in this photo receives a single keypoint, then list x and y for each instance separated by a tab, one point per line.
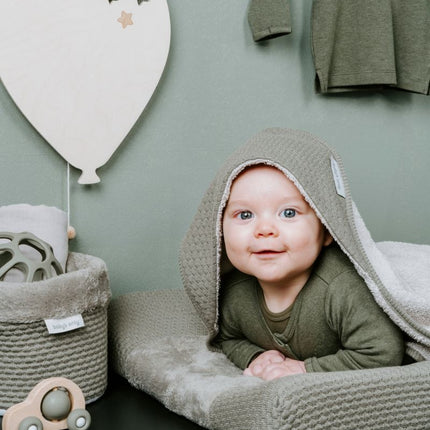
79	419
30	423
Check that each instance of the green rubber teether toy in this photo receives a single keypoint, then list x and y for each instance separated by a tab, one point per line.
12	257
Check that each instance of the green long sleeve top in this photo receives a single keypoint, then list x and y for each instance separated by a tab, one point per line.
335	324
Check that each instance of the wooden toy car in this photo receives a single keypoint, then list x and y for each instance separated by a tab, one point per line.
53	404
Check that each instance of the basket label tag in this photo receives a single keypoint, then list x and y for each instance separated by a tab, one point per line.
63	325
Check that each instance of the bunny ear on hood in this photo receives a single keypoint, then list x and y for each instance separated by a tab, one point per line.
397	274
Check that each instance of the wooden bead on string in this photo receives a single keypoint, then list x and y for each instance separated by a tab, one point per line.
71	232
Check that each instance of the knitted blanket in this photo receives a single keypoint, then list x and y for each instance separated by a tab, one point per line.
160	339
158	343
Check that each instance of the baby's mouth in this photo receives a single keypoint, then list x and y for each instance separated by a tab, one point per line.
268	252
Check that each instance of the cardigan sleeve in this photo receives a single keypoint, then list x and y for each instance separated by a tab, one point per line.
368	337
269	19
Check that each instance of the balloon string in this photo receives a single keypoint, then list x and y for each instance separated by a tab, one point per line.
71	232
68	194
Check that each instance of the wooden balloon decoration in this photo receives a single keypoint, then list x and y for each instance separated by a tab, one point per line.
83	71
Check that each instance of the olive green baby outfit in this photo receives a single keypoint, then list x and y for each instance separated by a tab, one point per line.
335	323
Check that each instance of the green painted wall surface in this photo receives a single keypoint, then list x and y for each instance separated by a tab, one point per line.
218	89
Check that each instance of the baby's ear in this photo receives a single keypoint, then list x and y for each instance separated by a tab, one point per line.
328	238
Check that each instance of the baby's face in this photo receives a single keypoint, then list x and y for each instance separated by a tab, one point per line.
269	230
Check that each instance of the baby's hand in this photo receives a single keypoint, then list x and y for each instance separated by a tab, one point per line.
285	368
258	365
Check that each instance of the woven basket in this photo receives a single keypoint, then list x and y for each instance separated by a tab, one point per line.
28	353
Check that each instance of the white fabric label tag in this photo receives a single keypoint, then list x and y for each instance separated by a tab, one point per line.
63	325
337	176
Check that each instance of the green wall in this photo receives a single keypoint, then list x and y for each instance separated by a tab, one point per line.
218	89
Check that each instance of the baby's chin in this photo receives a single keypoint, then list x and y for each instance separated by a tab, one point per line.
282	281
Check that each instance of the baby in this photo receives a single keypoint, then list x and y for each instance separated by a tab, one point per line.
294	302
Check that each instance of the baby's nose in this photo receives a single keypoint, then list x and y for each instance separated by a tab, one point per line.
266	228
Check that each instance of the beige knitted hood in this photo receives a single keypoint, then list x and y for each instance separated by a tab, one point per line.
318	173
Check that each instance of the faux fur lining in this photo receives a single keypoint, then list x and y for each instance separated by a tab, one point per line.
83	288
193	376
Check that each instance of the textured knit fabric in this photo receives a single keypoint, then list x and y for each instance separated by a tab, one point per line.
269	18
159	339
362	44
335	323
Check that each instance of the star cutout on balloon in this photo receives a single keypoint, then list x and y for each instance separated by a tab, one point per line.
125	19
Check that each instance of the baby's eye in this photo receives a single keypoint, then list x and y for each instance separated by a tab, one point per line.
288	213
245	215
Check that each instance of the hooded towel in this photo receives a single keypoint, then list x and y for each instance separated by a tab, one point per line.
171	358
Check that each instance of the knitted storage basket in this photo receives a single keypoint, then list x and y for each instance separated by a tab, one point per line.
28	353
